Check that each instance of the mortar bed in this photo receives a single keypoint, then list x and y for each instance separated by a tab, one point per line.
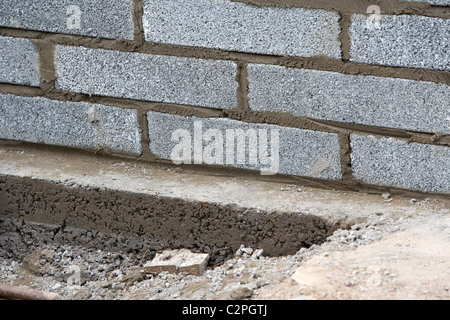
42	213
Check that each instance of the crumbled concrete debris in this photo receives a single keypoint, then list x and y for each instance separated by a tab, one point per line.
240	293
38	262
178	261
248	252
257	253
133	275
110	272
243	250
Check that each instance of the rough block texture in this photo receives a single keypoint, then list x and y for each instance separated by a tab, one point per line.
301	152
435	2
383	102
75	124
403	41
189	81
392	162
98	18
19	61
234	26
253	61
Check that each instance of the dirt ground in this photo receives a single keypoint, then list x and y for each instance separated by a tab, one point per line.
410	263
392	255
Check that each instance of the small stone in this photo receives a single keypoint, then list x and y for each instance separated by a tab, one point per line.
261	283
163	276
31	262
242	249
56	286
350	283
134	274
48	254
248	251
385	195
241	293
116	273
118	286
257	253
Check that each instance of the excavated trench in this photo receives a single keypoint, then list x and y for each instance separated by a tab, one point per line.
35	213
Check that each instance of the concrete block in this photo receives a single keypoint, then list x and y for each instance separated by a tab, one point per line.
19	62
178	261
435	2
268	148
375	101
189	81
403	41
393	162
94	18
236	26
73	124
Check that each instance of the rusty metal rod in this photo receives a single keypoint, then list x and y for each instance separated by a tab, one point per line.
22	293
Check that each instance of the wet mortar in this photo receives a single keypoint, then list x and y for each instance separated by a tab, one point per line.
45	257
48	230
151	222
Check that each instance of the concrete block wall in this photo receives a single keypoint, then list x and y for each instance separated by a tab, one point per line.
357	95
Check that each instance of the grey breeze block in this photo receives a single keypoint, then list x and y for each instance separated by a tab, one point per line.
19	61
189	81
97	18
402	41
435	2
300	152
357	99
393	162
236	26
74	124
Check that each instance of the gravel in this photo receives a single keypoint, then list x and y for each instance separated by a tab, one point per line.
115	273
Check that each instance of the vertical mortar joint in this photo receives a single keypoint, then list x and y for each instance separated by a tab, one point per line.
242	78
138	13
344	37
